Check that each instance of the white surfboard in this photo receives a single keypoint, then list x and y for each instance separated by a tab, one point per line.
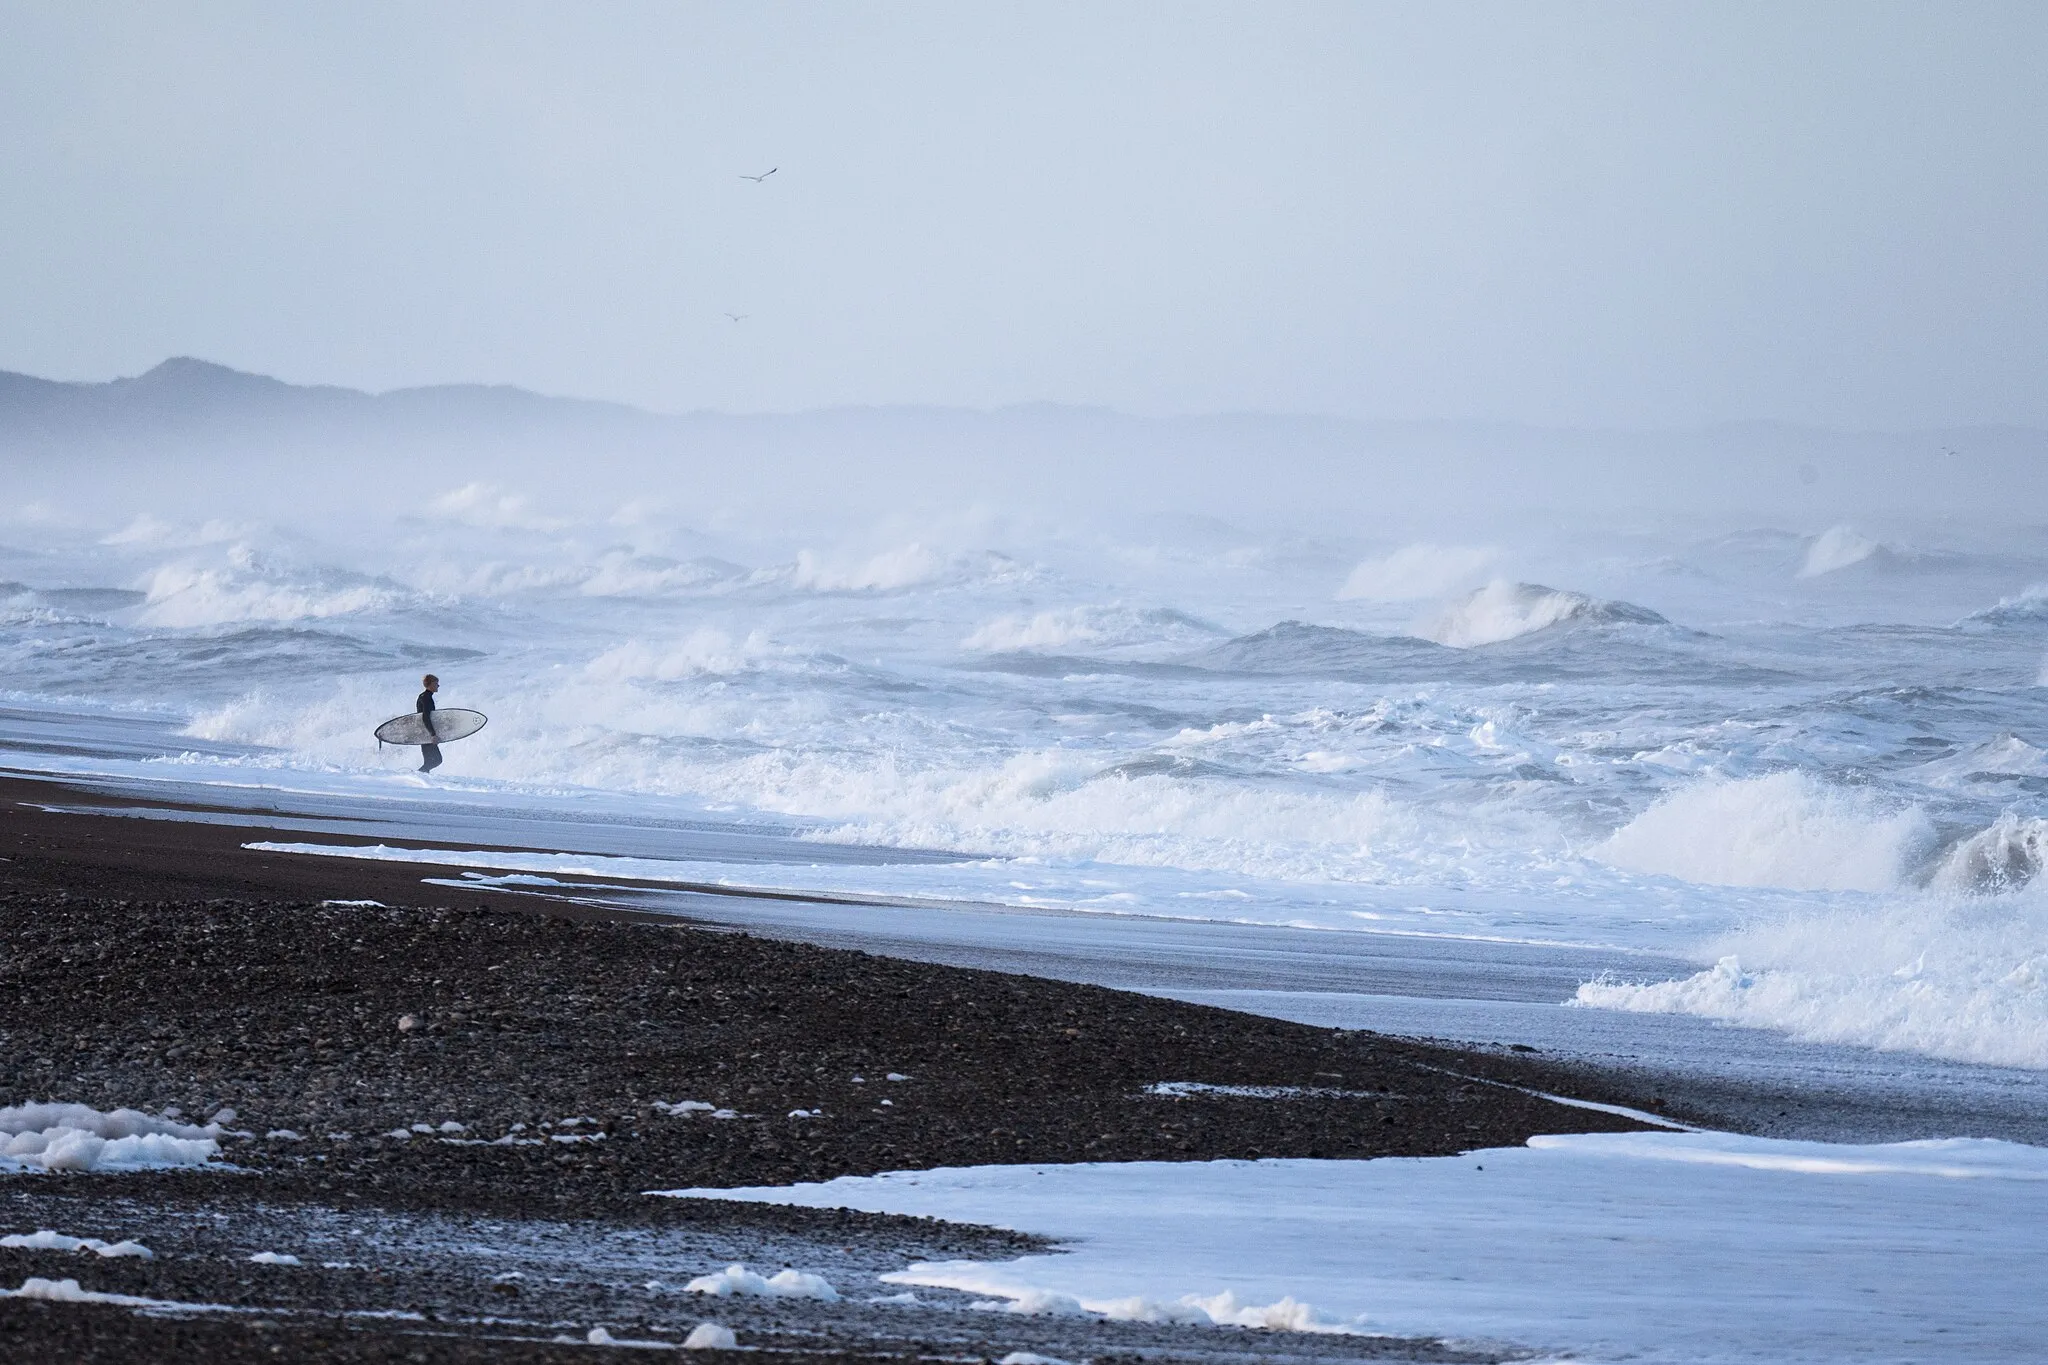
452	724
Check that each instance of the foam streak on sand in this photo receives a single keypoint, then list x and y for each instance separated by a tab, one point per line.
75	1137
46	1239
1602	1246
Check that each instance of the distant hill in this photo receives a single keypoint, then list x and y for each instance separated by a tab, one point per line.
224	433
184	399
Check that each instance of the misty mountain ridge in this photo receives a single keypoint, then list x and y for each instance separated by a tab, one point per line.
186	390
211	423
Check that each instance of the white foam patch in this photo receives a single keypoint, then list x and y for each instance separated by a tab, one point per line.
1786	830
783	1284
600	1336
710	1336
70	1291
1960	978
1663	1247
75	1137
1178	1090
45	1239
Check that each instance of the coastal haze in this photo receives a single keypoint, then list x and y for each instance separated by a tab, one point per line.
1520	527
201	440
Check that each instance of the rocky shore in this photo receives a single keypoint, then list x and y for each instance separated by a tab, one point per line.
448	1116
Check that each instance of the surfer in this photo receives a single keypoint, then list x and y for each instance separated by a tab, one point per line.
430	754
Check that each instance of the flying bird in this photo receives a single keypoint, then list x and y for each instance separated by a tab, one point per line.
757	179
737	316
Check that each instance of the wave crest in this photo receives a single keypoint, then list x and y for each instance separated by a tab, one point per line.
1836	549
1503	610
1089	627
2003	858
186	595
1786	830
1964	980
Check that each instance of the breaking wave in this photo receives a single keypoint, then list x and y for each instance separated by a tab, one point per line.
910	566
1962	979
1787	830
2005	857
1503	611
1836	549
1090	628
2029	607
209	597
704	651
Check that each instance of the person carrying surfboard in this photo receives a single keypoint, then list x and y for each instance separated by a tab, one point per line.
430	725
430	754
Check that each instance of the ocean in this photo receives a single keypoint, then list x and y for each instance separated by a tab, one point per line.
1809	763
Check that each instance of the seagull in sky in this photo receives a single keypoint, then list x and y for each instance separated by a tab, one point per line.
757	179
737	316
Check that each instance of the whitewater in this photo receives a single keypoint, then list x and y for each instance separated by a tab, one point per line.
1807	760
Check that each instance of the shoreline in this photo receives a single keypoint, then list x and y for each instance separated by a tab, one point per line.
180	969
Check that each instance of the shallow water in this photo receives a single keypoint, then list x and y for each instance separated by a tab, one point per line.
1634	1246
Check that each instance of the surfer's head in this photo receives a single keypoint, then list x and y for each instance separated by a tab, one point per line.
430	682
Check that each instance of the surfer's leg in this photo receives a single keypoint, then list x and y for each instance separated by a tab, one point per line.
431	754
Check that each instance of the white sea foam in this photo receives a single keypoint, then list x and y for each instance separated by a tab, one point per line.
1785	829
784	1284
186	594
2004	857
70	1291
75	1137
1648	1238
706	650
1965	979
46	1239
1090	627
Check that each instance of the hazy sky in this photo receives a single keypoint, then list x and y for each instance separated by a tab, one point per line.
1632	214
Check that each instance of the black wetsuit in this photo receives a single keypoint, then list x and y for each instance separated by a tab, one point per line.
430	754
